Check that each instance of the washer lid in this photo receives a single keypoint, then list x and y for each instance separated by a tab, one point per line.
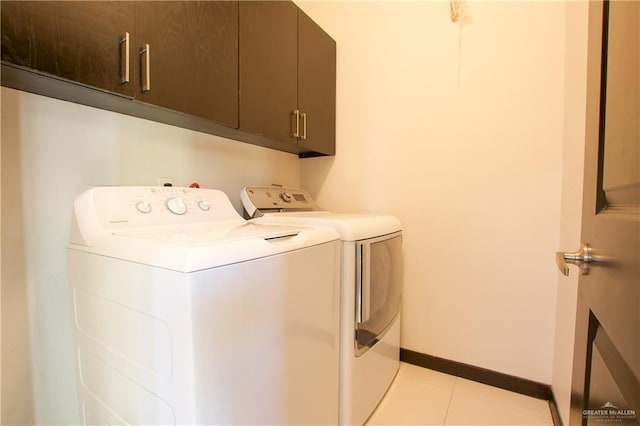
178	228
204	234
205	246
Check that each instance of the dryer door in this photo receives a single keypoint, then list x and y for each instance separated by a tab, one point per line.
378	288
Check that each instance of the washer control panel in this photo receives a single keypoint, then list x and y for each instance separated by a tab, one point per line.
257	199
127	207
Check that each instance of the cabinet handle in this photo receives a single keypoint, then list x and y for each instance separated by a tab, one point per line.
124	58
304	126
145	68
296	124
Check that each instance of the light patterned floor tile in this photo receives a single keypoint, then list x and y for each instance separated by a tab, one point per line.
411	402
504	397
425	375
419	396
466	410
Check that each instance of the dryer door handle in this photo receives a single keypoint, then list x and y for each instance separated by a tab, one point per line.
363	282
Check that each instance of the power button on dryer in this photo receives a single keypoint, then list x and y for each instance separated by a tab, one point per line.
286	197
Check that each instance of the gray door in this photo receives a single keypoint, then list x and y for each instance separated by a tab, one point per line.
606	365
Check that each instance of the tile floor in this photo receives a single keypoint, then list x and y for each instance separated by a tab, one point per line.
419	396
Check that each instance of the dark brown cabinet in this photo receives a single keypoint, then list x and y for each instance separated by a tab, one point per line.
287	77
261	72
71	40
193	57
316	88
182	56
268	68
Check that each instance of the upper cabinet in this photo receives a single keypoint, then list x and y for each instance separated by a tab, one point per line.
182	56
287	77
257	71
72	40
316	87
268	68
191	64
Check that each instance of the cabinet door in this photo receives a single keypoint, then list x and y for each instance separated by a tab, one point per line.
316	87
268	68
78	41
193	57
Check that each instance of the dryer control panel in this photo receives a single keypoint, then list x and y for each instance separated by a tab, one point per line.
258	199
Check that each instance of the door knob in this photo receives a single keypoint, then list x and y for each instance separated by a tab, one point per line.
582	258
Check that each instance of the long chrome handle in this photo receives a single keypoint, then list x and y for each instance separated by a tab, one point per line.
582	258
363	283
124	58
296	124
304	125
145	68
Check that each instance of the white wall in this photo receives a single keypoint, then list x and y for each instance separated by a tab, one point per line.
577	20
471	165
52	151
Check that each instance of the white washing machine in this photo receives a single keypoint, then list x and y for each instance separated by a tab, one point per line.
370	291
184	313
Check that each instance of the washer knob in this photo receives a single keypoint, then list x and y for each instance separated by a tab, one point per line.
286	197
204	205
176	205
143	207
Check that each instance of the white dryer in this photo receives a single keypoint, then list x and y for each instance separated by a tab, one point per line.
184	313
370	290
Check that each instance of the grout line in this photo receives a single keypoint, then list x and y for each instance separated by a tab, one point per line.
428	383
530	413
512	401
449	405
